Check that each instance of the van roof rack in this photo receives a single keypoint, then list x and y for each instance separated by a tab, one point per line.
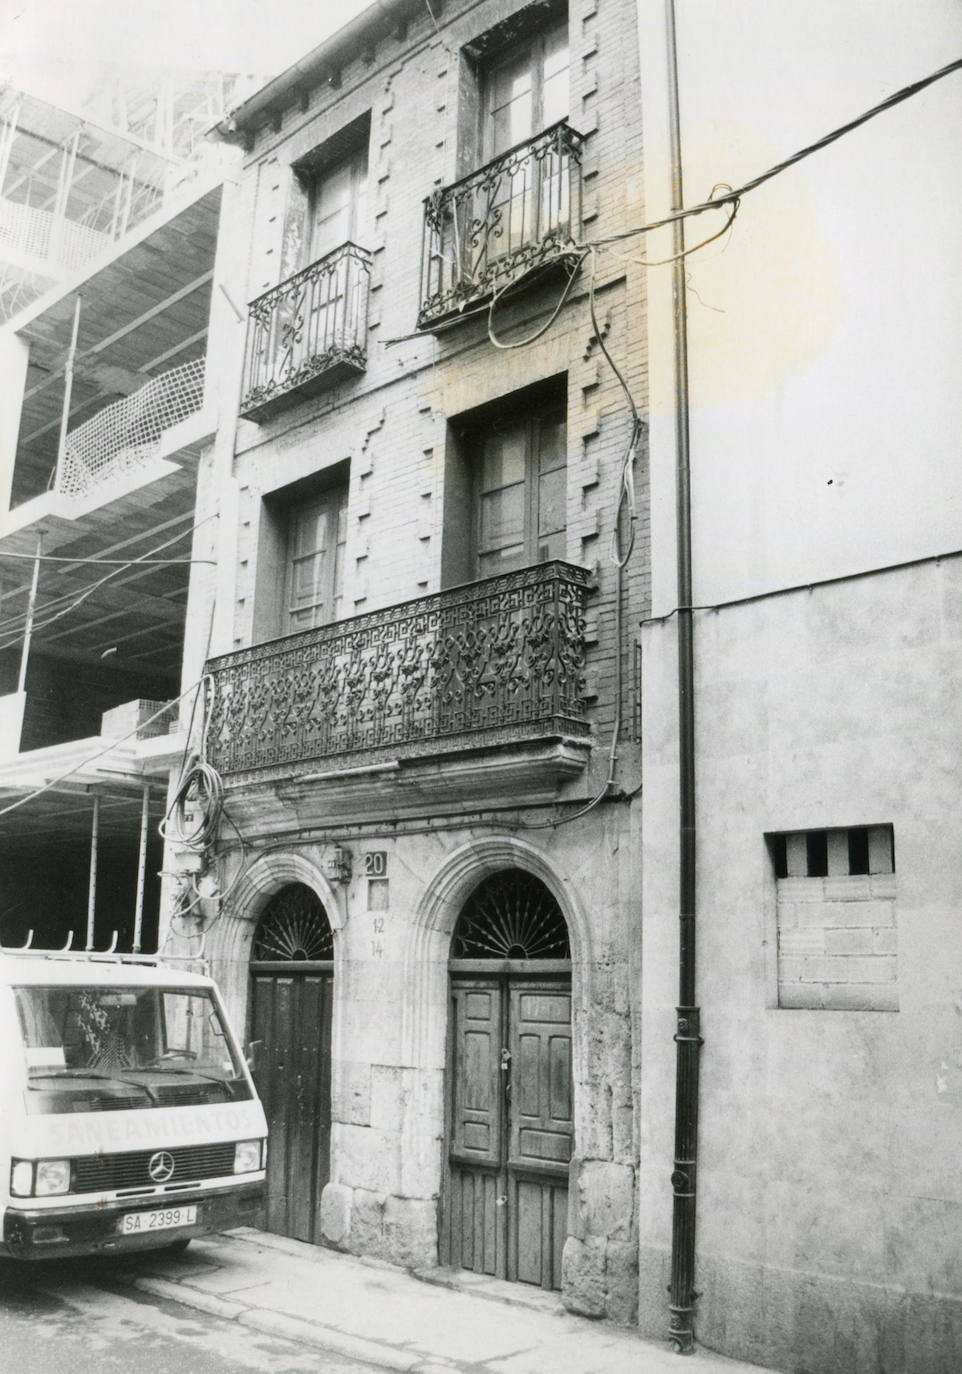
104	956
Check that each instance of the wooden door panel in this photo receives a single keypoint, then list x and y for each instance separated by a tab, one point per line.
477	1122
271	1022
539	1223
541	1116
510	1141
473	1234
292	1017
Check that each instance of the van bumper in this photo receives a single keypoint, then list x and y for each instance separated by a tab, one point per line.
87	1230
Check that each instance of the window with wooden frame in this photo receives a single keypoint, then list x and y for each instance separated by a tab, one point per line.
520	489
337	197
316	536
524	89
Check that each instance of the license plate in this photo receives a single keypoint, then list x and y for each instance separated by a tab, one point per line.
141	1223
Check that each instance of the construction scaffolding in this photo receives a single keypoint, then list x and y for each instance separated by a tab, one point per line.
124	436
74	182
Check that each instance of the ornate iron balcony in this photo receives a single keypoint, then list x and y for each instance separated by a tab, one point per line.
521	211
308	332
491	662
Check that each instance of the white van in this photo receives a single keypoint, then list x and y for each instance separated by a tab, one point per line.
128	1117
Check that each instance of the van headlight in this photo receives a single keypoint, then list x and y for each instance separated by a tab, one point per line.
53	1176
39	1178
247	1156
21	1177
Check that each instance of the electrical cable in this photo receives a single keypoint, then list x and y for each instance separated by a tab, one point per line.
110	562
733	196
543	329
73	600
200	793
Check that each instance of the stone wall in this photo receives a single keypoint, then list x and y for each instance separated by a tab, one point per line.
829	1205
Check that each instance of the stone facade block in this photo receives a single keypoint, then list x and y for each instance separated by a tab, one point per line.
600	1278
605	1199
366	1158
336	1214
583	1276
411	1232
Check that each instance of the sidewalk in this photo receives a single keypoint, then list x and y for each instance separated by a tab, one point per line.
443	1323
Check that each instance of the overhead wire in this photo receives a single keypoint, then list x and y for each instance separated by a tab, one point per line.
70	601
99	754
739	192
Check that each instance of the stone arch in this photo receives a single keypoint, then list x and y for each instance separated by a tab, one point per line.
229	943
426	1023
426	962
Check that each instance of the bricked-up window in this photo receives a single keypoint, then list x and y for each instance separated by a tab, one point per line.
836	918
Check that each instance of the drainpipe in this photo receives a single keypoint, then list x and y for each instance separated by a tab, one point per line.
687	1038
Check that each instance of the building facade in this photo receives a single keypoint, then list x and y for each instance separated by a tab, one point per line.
423	677
826	514
464	407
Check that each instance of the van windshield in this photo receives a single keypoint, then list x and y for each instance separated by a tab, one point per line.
94	1049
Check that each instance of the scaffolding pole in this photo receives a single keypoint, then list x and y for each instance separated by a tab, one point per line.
92	886
31	611
141	870
67	391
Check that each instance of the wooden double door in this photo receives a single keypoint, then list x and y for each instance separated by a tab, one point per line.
510	1127
292	1020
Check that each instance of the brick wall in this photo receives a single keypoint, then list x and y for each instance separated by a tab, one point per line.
392	423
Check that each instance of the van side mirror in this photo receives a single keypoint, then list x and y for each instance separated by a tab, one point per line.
252	1054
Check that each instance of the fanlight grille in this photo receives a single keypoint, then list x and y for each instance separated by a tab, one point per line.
511	915
294	926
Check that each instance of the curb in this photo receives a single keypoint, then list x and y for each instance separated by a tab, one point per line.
291	1328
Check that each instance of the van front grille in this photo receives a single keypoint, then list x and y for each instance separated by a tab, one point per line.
105	1173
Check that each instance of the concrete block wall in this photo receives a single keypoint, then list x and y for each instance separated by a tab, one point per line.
838	942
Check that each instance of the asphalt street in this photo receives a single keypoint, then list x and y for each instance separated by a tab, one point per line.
79	1316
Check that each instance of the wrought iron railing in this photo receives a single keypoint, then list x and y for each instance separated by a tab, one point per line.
489	229
306	332
124	436
491	662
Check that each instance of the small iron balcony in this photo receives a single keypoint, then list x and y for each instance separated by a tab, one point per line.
307	333
521	211
493	662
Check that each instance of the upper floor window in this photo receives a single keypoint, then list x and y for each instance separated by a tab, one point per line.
506	485
515	208
301	541
520	492
525	90
337	199
316	535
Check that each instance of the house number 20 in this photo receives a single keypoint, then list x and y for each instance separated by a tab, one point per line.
375	863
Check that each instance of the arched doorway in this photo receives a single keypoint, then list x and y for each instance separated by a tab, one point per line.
292	977
510	1118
